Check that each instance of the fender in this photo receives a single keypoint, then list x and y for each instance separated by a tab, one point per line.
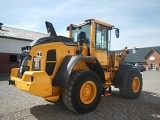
65	69
121	75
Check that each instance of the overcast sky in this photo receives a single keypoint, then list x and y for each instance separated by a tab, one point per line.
138	20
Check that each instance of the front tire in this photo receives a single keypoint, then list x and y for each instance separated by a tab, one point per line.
132	87
83	92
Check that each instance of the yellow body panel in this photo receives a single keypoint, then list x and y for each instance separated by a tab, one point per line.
40	86
14	72
42	83
55	94
61	52
102	57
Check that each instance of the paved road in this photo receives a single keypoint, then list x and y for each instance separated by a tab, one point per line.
17	105
151	81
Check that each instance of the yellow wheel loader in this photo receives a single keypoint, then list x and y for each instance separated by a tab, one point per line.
79	68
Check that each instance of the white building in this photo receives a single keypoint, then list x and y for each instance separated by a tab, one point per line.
11	41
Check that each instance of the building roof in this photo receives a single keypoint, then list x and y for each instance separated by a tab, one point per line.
15	33
140	53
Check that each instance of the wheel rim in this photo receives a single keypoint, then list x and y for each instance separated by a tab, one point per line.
136	84
88	92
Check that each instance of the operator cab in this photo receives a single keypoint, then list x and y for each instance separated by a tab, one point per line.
98	34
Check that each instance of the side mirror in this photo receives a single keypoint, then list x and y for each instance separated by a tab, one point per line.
117	32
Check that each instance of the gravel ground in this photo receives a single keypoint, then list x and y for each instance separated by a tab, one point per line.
18	105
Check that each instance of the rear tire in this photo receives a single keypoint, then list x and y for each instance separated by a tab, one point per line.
132	87
83	92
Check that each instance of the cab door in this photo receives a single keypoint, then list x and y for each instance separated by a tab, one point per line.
102	43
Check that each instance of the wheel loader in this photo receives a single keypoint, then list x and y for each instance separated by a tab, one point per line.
79	69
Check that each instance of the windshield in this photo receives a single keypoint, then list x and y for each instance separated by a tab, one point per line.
85	28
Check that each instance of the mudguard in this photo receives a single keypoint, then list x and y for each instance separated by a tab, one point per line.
64	71
121	75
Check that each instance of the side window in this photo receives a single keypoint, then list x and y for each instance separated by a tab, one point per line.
101	37
13	58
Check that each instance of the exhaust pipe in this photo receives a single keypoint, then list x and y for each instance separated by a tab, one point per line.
50	29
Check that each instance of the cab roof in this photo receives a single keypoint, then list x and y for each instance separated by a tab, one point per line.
96	21
100	22
89	21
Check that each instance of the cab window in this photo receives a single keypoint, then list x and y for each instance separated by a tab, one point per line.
84	28
101	37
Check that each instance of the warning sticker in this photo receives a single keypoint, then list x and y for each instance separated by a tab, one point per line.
36	64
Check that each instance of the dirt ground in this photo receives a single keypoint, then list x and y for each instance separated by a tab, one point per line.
18	105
